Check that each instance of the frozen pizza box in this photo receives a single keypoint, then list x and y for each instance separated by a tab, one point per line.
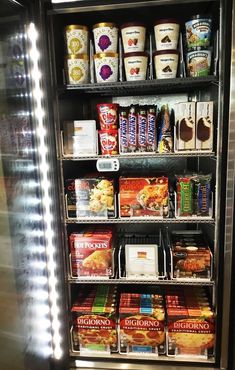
95	197
190	327
70	198
142	324
91	252
191	257
140	197
95	320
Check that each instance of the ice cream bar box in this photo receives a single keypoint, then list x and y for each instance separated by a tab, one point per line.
191	257
95	197
142	324
80	137
91	252
185	126
141	196
70	198
190	330
204	126
95	319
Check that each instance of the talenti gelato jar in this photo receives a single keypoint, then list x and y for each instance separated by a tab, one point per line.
198	31
166	63
136	66
76	37
105	37
77	69
166	34
133	36
198	63
106	67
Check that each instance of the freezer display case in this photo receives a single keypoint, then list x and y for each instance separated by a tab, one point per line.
131	104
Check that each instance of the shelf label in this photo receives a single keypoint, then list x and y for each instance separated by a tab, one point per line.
107	164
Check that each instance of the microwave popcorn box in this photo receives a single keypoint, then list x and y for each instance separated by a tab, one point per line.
80	137
95	197
142	323
95	319
191	256
91	252
185	126
143	196
190	323
204	126
70	198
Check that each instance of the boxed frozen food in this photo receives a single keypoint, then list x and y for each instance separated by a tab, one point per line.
142	323
95	319
191	257
204	126
190	323
194	195
95	197
70	198
141	260
80	138
143	196
91	252
185	126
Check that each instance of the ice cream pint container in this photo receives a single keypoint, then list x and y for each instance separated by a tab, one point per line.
198	32
105	37
108	115
77	69
198	63
166	34
76	38
109	142
133	36
106	67
166	63
136	66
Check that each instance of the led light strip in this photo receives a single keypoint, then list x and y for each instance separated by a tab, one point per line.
41	134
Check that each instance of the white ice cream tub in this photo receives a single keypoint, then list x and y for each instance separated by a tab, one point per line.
166	63
106	67
166	34
77	69
136	66
76	37
105	37
133	36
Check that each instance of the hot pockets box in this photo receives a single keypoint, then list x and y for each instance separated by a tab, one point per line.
141	196
142	325
95	320
91	252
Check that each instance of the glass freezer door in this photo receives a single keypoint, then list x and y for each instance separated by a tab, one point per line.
27	336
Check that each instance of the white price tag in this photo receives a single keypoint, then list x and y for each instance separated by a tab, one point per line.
107	164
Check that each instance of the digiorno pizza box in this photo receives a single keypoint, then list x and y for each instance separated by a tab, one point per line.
142	324
95	197
139	196
191	255
190	323
91	252
95	319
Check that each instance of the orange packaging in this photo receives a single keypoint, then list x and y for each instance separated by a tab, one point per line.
143	196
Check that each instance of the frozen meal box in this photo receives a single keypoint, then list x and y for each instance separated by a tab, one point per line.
91	252
190	328
80	137
204	125
185	126
191	255
95	197
142	323
95	319
143	196
70	198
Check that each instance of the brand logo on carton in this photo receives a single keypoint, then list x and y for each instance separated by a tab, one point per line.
151	129
191	326
142	129
124	131
141	324
88	245
132	129
84	321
